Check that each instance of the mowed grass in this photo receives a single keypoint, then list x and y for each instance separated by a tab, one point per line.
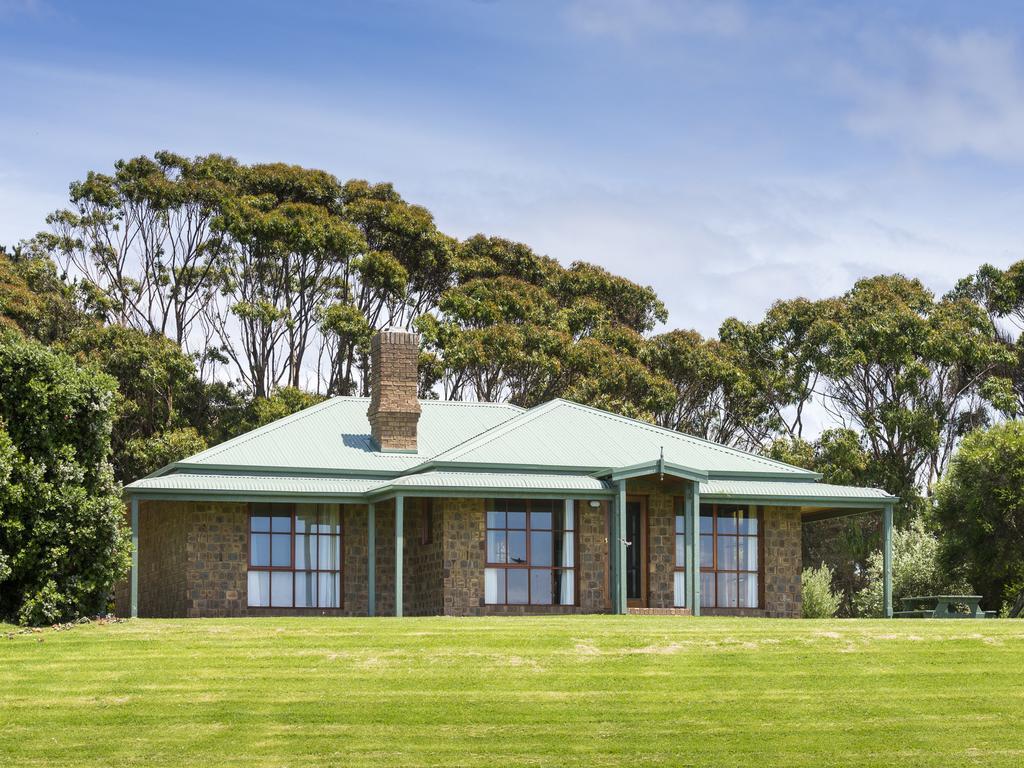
559	691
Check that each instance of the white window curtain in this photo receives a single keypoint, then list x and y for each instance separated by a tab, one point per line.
567	596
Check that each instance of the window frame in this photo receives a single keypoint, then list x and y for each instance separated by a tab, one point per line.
714	569
340	570
527	566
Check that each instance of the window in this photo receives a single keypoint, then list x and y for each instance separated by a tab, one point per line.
531	553
730	556
295	556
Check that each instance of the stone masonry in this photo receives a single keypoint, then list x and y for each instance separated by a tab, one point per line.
394	411
193	559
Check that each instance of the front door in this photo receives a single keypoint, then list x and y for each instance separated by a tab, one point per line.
636	551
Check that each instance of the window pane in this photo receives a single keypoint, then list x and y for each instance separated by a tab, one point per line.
329	590
495	519
281	550
330	555
305	518
748	521
707	590
540	520
516	519
565	586
540	548
516	547
281	522
728	590
305	589
281	589
707	522
496	549
494	586
727	553
540	587
260	523
680	523
748	553
680	551
330	518
259	589
305	552
679	590
707	552
727	519
516	583
747	589
259	548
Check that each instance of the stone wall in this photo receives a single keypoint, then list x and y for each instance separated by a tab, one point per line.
783	562
465	558
193	559
422	566
394	379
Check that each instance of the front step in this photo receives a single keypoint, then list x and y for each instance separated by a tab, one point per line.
659	611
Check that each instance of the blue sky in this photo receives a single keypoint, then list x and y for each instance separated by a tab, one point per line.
727	153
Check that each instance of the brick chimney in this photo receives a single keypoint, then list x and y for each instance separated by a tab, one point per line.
394	410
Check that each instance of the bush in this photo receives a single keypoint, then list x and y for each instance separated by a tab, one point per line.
63	541
916	570
820	601
980	511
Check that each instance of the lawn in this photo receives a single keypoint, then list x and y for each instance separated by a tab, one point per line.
524	691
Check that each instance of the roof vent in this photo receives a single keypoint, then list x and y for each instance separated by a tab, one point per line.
394	409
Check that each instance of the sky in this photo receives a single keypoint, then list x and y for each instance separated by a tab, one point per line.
729	154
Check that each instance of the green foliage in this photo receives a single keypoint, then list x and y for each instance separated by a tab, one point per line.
142	455
980	512
916	570
62	535
282	402
818	599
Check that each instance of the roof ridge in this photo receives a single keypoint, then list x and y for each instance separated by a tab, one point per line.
676	434
432	401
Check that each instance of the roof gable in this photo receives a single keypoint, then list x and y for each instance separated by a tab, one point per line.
563	434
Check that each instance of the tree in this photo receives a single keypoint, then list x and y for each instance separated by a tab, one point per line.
33	299
906	371
63	541
288	251
980	512
144	237
715	395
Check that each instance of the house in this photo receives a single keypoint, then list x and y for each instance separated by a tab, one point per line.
390	505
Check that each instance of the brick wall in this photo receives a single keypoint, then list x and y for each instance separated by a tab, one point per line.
783	562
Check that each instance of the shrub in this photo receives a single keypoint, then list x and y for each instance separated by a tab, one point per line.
63	541
916	570
980	511
820	601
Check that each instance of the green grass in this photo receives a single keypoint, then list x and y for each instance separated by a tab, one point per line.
567	691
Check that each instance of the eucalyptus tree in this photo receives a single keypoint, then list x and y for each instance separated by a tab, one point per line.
906	371
288	251
143	237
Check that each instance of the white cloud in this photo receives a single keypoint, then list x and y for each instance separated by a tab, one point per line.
630	20
954	95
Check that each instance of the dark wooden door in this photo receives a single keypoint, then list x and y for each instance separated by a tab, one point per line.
636	552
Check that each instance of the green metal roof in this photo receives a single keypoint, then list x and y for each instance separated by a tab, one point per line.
334	436
564	435
181	484
468	448
804	493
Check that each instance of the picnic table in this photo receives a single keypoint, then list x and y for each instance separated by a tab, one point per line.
939	607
